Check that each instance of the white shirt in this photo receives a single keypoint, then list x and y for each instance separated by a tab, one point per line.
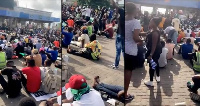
83	11
163	57
88	12
176	23
93	98
130	44
86	38
168	29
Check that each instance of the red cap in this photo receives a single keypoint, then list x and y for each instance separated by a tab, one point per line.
75	82
59	92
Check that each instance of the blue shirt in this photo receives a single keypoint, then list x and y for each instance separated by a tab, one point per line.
44	57
67	38
110	14
54	54
186	48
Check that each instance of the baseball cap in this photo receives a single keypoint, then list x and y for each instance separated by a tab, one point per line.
76	82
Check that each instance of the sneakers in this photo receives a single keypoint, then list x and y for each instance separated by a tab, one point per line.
149	83
158	79
114	67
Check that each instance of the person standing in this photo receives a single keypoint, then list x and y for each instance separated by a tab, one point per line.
132	31
154	50
119	42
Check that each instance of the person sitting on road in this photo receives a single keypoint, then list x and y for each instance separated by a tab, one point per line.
67	37
163	56
79	93
36	57
186	48
13	87
9	51
43	55
2	58
46	68
196	84
170	46
33	81
82	40
112	91
109	31
194	60
54	54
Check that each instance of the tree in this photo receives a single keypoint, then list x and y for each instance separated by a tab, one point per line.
94	3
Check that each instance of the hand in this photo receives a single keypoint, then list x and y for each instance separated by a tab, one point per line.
149	58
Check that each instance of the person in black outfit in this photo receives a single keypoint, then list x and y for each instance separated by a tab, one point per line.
13	87
19	49
154	49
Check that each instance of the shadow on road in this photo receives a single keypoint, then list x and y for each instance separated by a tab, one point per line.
138	76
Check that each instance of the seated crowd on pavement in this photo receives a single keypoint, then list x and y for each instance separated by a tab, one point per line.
155	38
24	53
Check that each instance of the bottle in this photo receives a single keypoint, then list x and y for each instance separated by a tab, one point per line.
153	64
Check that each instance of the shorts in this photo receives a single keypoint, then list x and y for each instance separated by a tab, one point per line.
130	62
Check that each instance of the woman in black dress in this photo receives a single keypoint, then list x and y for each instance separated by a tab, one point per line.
154	50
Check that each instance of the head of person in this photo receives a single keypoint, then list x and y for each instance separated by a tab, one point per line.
54	48
35	51
155	22
70	29
42	51
10	63
162	44
31	63
89	23
27	101
169	41
85	31
47	63
77	83
188	41
130	9
188	31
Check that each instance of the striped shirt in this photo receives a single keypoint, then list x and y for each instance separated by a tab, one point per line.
130	44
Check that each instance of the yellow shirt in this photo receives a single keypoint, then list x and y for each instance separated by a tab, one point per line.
162	23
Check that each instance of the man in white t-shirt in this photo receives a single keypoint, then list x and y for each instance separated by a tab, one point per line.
80	93
163	56
176	23
88	13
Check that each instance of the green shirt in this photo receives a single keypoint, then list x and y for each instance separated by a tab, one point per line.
89	28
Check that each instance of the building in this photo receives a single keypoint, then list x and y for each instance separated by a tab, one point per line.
15	15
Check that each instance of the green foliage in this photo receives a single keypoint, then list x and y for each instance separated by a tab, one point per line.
94	3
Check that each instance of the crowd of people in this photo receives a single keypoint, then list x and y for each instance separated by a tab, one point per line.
34	48
80	27
153	38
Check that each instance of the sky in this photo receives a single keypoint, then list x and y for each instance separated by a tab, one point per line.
150	9
53	6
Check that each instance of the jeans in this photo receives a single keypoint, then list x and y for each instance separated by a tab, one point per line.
111	90
119	47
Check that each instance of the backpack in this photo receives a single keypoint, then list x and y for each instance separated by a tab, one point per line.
49	82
